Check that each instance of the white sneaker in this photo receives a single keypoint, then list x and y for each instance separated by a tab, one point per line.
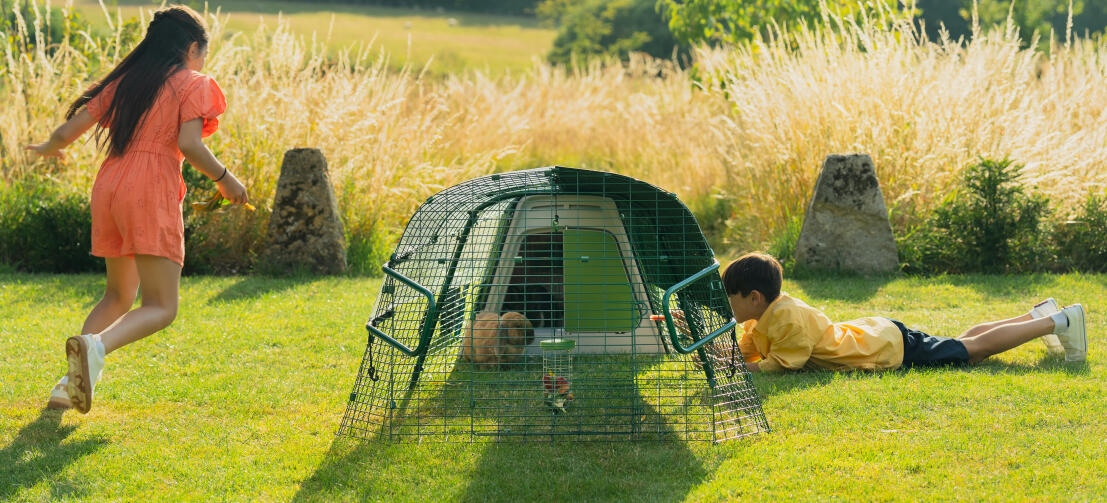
1074	338
85	355
59	399
1042	309
1045	308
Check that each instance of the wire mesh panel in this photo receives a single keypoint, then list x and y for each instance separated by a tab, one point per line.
489	273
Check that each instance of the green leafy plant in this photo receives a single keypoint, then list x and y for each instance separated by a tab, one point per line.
610	28
732	21
783	246
1081	242
992	224
44	228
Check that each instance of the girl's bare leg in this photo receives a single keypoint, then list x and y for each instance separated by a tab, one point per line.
119	295
159	280
1002	337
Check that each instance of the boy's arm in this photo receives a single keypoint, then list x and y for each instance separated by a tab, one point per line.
746	344
789	348
65	134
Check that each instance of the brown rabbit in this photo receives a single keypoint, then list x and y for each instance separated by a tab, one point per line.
516	332
480	340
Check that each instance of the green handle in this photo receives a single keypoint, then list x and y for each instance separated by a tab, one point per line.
669	317
424	331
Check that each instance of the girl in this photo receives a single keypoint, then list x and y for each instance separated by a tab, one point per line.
151	112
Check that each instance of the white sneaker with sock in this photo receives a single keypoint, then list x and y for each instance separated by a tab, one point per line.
1042	309
85	355
59	398
1069	327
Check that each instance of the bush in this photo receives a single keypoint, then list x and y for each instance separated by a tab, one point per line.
783	246
1082	242
228	240
44	228
610	28
991	225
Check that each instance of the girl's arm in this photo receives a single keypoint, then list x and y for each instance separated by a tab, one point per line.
64	135
192	146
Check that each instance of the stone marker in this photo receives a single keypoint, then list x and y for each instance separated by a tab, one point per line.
846	226
305	231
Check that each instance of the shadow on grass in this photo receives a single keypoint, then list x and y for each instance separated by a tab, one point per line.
620	462
38	453
784	383
856	288
252	287
1047	364
769	384
1001	287
505	471
842	286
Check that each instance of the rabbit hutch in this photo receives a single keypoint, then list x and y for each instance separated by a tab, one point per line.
547	304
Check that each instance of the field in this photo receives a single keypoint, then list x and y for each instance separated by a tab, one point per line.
240	398
740	139
450	41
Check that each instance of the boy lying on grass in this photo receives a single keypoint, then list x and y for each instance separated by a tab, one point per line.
784	333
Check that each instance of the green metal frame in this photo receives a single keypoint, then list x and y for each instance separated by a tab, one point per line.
427	328
673	334
456	241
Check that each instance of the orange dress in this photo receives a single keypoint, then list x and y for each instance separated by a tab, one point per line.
136	198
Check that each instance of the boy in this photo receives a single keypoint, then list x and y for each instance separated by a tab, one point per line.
784	333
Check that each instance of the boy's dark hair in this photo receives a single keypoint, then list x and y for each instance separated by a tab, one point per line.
142	72
754	271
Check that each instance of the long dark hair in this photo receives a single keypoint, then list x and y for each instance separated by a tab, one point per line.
142	73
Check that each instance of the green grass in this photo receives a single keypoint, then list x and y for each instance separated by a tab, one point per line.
240	399
488	42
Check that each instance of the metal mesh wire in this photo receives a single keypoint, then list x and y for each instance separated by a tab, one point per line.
489	269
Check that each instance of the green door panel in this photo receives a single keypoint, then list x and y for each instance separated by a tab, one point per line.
598	294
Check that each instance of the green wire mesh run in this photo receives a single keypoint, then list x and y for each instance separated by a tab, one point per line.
547	304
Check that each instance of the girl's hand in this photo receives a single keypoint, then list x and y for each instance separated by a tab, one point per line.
65	134
232	189
45	150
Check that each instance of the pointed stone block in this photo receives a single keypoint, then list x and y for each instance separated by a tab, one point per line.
846	226
305	231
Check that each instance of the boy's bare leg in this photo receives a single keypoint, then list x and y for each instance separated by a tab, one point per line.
119	295
1002	337
160	280
984	327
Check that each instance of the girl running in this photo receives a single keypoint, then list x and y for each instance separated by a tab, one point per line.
150	113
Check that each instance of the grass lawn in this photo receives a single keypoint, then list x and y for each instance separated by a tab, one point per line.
487	42
240	399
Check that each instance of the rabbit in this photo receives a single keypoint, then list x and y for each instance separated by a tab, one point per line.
480	340
516	332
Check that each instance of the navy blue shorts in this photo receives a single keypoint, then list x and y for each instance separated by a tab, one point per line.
924	350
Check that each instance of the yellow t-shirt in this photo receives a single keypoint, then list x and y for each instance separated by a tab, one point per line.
794	335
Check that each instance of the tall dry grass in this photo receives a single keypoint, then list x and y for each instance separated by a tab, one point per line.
741	139
922	109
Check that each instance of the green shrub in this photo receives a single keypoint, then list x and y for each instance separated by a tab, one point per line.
44	228
1081	243
610	28
783	246
991	224
366	250
228	240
